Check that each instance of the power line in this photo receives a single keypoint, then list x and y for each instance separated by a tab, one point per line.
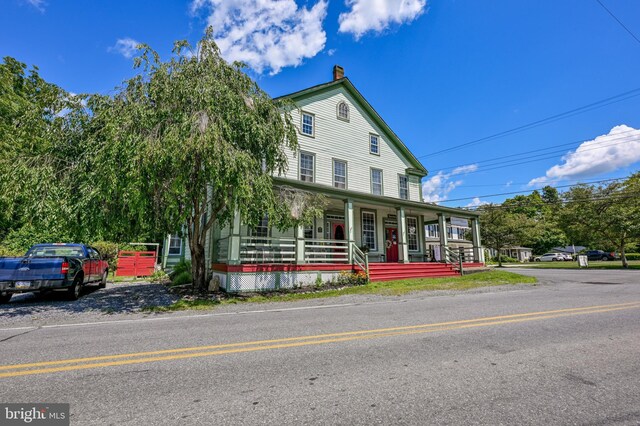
529	191
528	152
517	162
579	200
594	105
619	21
508	184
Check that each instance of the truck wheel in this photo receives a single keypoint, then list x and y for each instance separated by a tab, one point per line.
103	281
73	293
604	258
5	298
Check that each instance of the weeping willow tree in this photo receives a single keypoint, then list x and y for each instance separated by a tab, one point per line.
187	143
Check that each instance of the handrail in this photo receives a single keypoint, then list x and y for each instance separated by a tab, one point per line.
454	257
360	258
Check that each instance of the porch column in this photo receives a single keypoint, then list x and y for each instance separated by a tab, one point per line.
299	235
478	253
444	241
350	233
233	257
403	247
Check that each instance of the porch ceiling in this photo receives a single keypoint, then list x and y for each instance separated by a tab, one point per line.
429	210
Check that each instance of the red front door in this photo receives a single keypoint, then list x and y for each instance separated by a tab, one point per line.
338	231
391	243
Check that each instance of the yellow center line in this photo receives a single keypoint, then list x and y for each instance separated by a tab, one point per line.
329	338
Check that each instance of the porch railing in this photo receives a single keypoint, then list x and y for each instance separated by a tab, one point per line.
267	250
326	251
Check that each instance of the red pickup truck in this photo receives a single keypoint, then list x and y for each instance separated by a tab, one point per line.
52	267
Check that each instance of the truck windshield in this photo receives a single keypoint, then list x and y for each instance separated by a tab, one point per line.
55	251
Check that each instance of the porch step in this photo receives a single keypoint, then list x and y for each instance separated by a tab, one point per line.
395	271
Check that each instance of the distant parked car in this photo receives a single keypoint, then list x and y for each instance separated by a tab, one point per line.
550	257
567	257
601	255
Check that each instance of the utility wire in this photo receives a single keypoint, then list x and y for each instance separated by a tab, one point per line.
529	152
508	184
585	108
580	200
619	21
530	191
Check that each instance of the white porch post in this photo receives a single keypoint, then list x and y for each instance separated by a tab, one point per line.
478	253
299	235
444	241
233	257
350	233
403	249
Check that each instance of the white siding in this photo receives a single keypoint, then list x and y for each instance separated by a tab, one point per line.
348	141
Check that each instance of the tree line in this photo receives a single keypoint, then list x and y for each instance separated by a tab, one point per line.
595	216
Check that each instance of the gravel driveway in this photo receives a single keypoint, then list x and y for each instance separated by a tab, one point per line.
94	304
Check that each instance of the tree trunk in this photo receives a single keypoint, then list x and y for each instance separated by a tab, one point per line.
623	256
198	267
499	259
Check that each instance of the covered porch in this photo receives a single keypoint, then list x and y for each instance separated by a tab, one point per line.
356	232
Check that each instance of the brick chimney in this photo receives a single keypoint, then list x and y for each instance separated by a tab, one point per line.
338	72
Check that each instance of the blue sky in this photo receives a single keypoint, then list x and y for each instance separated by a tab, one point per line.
441	73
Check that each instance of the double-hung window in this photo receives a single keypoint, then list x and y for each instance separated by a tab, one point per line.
374	144
307	167
412	233
262	230
340	174
175	245
432	231
369	230
376	181
308	124
404	186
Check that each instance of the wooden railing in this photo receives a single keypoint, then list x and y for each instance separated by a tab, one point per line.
326	251
267	250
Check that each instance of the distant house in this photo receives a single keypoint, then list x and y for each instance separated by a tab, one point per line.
375	210
522	254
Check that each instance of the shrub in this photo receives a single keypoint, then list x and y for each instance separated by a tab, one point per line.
182	278
20	240
7	252
159	277
109	252
182	266
633	256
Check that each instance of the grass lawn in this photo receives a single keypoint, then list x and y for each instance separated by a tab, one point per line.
388	288
610	264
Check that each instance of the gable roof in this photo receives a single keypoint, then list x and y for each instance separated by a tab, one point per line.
417	168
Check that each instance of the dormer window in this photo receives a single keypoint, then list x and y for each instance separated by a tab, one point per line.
308	124
374	144
343	111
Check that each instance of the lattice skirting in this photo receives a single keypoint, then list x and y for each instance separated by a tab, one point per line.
235	282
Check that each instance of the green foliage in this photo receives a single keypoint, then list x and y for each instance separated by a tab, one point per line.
502	228
180	267
633	256
159	277
7	252
183	277
21	239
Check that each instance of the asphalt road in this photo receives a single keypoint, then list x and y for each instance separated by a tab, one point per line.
566	351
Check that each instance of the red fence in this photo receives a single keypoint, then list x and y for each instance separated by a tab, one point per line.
136	263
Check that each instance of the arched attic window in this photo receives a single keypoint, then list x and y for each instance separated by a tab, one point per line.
343	111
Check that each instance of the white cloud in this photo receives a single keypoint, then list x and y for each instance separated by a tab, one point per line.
508	184
38	4
127	47
266	34
331	52
437	188
606	153
376	15
476	202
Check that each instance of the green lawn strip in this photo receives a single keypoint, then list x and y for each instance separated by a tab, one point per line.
387	288
611	264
